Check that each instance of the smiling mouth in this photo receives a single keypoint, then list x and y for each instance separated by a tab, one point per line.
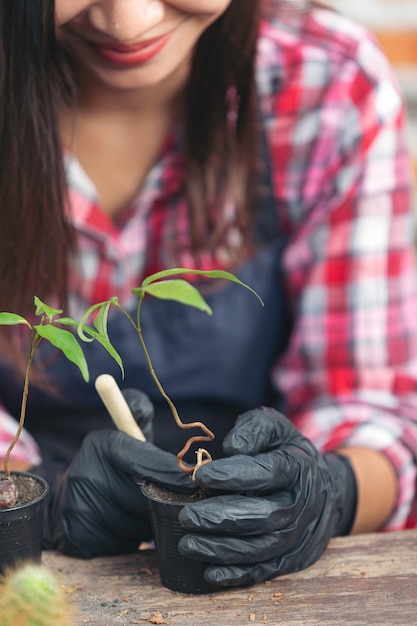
136	54
131	48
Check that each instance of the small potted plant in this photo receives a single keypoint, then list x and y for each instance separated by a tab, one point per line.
22	495
176	572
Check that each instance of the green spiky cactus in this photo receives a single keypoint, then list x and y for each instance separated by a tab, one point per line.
31	596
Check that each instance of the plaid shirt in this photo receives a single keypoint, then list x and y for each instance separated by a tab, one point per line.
334	121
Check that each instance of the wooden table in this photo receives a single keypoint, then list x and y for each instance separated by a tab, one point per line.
359	581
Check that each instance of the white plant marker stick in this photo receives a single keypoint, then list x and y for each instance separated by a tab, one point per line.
114	401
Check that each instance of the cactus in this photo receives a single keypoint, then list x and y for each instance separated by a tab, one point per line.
31	596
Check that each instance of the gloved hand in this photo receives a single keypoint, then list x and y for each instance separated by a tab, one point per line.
96	507
287	500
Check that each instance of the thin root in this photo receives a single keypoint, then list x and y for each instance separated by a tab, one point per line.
203	456
201	452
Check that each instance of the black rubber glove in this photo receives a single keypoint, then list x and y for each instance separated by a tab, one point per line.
288	501
96	506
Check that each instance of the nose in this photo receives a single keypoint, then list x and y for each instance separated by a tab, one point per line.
126	20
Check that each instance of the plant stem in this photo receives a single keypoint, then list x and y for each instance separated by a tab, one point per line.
34	342
209	435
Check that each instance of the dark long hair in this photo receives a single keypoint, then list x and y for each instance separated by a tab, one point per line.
35	239
221	151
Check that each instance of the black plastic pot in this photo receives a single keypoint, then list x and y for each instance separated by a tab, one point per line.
176	572
21	526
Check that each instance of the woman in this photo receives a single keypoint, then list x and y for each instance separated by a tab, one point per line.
199	133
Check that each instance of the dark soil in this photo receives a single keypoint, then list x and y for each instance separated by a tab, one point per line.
160	493
28	488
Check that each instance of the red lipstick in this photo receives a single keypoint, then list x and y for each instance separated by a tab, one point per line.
136	54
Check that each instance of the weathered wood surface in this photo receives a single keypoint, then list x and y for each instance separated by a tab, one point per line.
359	581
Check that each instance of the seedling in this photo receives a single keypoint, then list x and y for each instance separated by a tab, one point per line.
161	285
48	329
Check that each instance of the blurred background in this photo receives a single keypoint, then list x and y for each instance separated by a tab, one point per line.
394	22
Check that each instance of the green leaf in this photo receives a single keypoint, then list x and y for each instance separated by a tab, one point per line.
67	343
43	309
12	319
67	321
82	325
178	290
106	343
87	333
222	274
101	322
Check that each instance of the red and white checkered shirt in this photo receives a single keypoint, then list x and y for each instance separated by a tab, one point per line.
334	121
